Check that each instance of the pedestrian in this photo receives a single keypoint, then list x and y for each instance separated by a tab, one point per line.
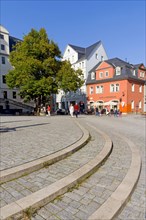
76	109
96	111
71	110
49	110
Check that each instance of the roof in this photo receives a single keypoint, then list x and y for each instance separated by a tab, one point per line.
126	71
85	52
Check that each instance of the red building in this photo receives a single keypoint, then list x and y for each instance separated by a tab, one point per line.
116	83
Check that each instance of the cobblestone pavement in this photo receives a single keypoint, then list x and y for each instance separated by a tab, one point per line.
82	201
18	188
29	138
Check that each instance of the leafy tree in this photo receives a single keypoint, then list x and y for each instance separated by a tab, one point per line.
38	71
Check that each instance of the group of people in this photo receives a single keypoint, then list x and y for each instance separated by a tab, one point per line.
74	109
109	112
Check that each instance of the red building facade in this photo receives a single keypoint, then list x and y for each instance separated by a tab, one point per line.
116	83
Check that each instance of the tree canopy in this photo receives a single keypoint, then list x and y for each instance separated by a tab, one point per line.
38	70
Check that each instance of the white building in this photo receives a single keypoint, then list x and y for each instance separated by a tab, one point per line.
10	101
85	59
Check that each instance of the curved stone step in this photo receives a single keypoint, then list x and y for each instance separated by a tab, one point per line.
24	169
43	196
119	198
107	190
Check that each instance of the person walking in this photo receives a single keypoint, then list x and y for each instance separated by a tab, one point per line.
49	110
76	109
71	110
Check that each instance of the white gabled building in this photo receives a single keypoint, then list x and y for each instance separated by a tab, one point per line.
10	101
85	59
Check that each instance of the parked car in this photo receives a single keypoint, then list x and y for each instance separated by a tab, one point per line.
61	111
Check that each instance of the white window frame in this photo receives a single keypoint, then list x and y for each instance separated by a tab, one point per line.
142	74
114	87
134	72
118	70
93	75
140	88
99	89
140	104
132	104
106	73
101	75
91	90
133	87
117	87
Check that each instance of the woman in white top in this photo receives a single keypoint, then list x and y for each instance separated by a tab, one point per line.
71	110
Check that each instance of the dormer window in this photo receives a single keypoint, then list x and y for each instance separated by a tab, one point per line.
118	70
93	75
68	50
134	72
142	74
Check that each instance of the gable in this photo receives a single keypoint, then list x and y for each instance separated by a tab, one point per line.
104	65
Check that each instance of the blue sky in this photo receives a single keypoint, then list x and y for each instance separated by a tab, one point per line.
120	25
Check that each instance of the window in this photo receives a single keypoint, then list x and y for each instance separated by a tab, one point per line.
132	104
118	70
14	95
2	47
117	88
82	64
141	74
102	58
140	88
93	75
91	90
4	79
5	94
73	58
134	72
100	75
140	104
3	60
96	56
106	74
133	87
99	89
114	88
1	36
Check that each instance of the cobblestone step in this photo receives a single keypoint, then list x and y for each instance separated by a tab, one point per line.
104	193
24	169
79	171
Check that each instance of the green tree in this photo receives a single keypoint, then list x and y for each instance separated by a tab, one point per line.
38	71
